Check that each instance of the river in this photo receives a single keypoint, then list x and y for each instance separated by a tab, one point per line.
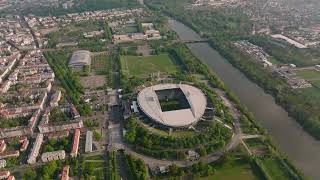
291	139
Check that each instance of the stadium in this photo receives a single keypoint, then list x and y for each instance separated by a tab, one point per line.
173	105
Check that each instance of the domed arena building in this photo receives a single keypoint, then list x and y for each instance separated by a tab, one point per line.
173	105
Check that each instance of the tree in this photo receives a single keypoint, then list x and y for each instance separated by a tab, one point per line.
64	141
53	141
49	168
202	151
94	98
86	70
225	159
97	136
89	169
29	174
164	154
181	155
173	169
209	171
48	148
56	115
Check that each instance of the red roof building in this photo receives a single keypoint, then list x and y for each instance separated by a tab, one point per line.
4	174
11	178
65	173
75	144
74	112
3	145
9	154
24	145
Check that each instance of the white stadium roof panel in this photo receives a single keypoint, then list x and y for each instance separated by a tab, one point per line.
149	103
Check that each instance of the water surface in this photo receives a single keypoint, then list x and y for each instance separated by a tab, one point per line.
300	147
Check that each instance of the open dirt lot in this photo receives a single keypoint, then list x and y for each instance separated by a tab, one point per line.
93	81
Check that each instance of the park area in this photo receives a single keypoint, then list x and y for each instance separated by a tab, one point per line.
131	29
143	66
312	76
235	169
309	75
94	166
316	83
101	69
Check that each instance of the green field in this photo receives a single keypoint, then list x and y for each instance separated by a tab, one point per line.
273	60
255	142
232	171
131	29
275	168
96	165
146	65
316	84
95	157
309	74
128	29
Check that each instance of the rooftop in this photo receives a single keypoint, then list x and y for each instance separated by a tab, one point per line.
80	57
173	105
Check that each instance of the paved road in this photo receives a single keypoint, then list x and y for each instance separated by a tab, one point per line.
247	148
249	136
152	162
91	160
115	137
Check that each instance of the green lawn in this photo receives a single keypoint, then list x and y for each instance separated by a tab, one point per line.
316	83
233	171
172	105
275	169
95	157
98	168
311	93
273	60
131	29
146	65
96	164
312	96
308	74
254	142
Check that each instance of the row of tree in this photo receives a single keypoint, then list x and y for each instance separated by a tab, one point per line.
45	172
58	144
136	169
211	138
113	172
69	80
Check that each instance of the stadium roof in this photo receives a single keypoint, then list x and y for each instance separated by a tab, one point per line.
149	103
80	57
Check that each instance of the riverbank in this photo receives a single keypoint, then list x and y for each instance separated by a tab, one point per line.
296	102
288	135
301	105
